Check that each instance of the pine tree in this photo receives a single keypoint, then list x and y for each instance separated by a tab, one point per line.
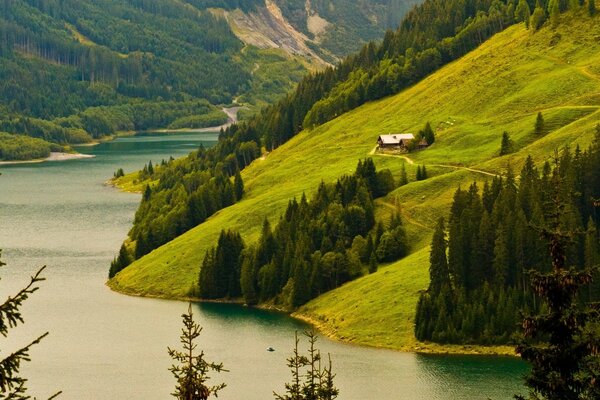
562	352
538	18
296	363
12	386
540	125
150	169
428	134
191	369
418	176
438	262
554	11
592	258
403	176
238	185
424	173
507	145
523	13
318	382
121	262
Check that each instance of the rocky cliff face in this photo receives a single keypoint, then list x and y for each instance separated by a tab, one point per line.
321	31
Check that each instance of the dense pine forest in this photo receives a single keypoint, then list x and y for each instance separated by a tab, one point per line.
317	245
482	257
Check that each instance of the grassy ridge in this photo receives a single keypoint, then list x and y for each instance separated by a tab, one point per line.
500	86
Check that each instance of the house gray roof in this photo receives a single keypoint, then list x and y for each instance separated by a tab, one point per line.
396	138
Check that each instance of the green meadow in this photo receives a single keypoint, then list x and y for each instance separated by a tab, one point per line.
499	87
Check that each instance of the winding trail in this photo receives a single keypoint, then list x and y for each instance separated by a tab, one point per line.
412	162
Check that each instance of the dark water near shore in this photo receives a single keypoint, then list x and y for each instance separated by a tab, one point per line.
104	345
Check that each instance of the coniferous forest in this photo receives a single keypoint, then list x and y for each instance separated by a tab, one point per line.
483	256
316	246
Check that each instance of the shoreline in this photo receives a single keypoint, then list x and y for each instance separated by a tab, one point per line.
61	156
326	331
53	157
232	119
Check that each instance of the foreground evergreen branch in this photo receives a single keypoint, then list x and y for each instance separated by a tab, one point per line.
561	344
12	386
316	383
191	371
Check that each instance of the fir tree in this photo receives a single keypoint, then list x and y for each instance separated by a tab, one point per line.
562	352
150	168
318	382
238	185
507	145
403	175
419	175
12	386
121	262
428	134
537	19
523	12
191	369
554	11
540	125
438	267
296	362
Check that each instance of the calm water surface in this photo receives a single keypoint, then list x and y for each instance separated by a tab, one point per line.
104	345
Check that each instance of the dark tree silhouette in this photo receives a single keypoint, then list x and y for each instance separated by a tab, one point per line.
12	386
191	370
562	351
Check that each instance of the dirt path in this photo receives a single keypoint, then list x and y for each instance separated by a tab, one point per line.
411	162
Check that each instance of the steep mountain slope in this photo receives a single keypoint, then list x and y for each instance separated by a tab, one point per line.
500	86
324	31
61	60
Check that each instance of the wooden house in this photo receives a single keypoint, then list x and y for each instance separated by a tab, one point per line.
399	141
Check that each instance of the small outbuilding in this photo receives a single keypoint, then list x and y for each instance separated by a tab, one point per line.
396	141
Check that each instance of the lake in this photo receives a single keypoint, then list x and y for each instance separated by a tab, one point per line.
104	345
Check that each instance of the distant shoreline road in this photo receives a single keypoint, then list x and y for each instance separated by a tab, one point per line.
54	156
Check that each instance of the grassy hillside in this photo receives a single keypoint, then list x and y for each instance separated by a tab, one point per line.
499	87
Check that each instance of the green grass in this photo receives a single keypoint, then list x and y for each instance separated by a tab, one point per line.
499	87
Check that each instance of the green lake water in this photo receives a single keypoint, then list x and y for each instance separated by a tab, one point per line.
104	345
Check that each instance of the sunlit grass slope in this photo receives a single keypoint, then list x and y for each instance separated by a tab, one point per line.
499	87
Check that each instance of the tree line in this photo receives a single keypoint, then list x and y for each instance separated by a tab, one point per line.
316	246
481	261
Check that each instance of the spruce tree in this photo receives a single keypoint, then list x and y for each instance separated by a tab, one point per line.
238	185
523	12
191	369
538	17
12	386
318	382
507	146
121	262
428	134
540	125
438	262
562	351
403	175
554	11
